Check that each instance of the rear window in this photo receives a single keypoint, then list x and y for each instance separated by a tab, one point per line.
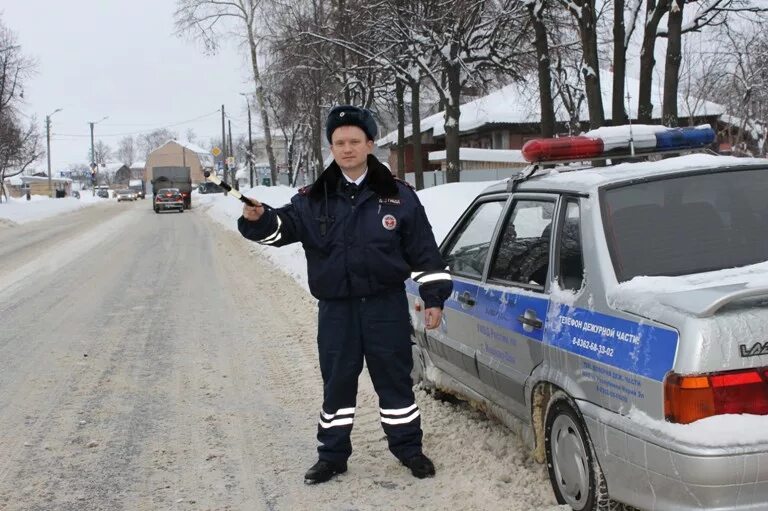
687	224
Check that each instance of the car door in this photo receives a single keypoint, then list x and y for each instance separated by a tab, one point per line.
466	250
513	307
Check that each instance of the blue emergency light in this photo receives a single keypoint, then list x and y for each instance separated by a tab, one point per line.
649	139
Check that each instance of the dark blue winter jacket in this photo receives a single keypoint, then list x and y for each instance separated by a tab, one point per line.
358	243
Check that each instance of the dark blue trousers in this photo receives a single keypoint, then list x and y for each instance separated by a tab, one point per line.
377	329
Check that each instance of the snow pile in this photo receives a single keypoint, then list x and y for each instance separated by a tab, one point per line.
720	430
20	211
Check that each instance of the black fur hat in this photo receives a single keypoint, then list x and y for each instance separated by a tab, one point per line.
348	115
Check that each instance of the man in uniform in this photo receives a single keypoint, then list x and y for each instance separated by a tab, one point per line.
364	233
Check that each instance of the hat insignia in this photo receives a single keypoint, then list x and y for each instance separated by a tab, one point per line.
342	114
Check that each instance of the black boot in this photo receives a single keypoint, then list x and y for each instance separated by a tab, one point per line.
420	466
323	470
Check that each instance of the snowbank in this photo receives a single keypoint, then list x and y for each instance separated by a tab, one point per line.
20	211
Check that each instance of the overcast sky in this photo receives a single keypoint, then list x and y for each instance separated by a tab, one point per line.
120	58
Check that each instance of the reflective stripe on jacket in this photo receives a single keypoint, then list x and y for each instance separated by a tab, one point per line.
359	246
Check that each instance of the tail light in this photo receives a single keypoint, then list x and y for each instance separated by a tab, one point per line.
694	397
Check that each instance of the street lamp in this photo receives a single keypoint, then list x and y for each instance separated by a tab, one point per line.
94	165
48	143
250	141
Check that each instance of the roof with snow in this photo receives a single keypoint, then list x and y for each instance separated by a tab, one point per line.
206	158
138	164
518	103
20	180
111	167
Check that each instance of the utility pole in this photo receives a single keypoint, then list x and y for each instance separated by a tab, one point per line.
223	142
94	167
48	149
232	171
94	164
249	156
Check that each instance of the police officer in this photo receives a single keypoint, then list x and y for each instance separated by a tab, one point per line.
364	233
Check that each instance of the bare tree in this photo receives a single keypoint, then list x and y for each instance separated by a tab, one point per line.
126	150
191	136
536	10
569	87
586	16
148	142
625	14
207	17
703	13
102	153
19	141
740	83
469	41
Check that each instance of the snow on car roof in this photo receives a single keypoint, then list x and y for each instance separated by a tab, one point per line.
589	179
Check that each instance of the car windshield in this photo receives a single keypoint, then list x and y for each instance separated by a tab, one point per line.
125	191
687	224
168	190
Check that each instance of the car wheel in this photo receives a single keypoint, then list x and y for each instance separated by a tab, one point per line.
576	477
157	210
181	210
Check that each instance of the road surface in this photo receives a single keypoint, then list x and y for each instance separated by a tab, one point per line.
155	362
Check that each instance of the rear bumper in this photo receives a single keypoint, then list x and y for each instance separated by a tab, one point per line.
649	470
169	205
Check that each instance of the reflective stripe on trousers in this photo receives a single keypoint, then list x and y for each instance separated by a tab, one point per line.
375	329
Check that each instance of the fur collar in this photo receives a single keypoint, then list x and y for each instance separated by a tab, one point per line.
379	180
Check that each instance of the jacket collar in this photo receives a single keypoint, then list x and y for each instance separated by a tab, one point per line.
379	180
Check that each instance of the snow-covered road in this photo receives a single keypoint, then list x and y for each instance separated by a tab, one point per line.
157	362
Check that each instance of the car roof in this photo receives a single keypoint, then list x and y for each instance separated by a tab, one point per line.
581	179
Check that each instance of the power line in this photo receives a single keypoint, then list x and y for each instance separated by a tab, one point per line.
77	135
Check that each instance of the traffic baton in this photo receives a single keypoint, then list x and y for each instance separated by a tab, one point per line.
213	178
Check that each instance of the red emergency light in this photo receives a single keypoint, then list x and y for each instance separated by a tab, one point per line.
617	142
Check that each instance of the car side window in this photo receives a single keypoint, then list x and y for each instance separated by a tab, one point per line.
468	249
570	258
523	253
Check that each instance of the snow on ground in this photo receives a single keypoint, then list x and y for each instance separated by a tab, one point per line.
19	211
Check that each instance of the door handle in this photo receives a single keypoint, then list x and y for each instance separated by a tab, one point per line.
466	299
530	321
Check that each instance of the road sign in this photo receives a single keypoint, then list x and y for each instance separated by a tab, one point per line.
216	151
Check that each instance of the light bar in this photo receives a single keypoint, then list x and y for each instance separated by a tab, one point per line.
615	142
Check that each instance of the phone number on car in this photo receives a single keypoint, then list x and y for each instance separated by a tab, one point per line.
592	346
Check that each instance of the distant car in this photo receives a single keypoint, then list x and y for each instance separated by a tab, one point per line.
210	188
75	194
126	195
169	198
103	193
610	309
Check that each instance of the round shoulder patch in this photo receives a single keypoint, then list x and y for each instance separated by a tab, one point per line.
389	222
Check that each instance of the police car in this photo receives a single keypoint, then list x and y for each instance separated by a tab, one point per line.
617	316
